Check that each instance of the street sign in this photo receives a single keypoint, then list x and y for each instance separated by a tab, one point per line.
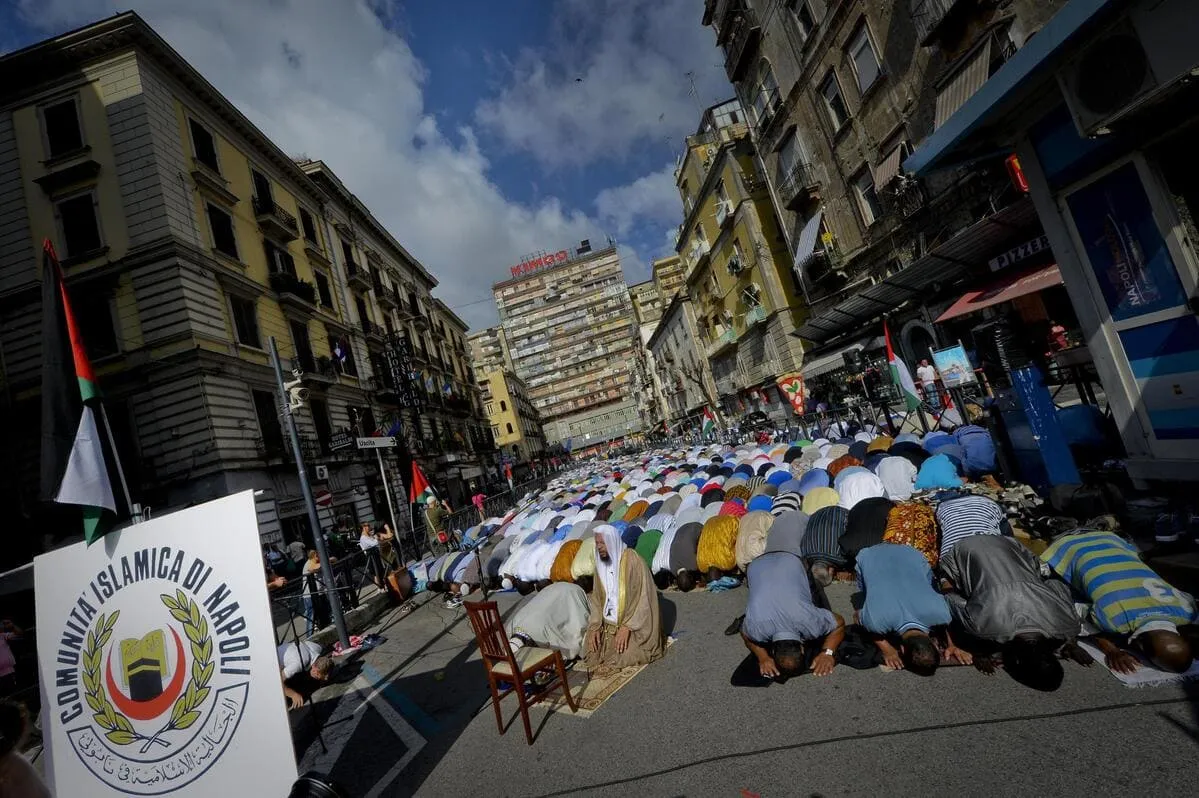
323	498
381	442
340	440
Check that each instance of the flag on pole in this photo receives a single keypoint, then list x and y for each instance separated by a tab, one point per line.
74	468
709	423
900	375
419	490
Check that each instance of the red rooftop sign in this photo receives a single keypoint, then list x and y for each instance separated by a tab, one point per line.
540	262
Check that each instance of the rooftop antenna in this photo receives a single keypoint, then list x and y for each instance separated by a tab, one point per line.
694	92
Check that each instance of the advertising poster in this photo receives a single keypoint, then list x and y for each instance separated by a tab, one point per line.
157	661
954	366
792	387
1125	248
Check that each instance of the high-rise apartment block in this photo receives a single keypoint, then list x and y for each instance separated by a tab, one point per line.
668	274
569	326
489	351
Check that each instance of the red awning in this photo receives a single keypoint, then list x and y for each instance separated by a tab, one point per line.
1005	289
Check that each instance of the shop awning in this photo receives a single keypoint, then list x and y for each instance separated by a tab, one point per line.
944	264
1004	89
1004	289
808	239
825	364
966	83
888	169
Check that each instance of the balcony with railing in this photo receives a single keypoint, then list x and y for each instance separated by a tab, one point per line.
741	42
274	221
798	187
722	342
293	291
756	315
357	276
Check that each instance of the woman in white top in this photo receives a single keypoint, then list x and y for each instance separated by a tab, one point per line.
369	543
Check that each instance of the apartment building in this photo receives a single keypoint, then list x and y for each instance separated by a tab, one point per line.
489	351
647	311
838	94
515	423
738	271
189	240
683	373
569	325
668	275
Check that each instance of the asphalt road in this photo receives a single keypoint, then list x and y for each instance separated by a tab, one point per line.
407	724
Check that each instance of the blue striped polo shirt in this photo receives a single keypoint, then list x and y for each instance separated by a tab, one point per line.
965	516
1125	594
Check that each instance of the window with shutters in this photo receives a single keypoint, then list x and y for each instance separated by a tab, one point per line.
245	321
220	224
62	128
80	224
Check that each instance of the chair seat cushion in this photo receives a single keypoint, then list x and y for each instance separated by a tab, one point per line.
526	657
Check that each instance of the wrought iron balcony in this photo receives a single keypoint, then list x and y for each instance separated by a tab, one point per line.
274	221
357	276
722	342
292	290
799	187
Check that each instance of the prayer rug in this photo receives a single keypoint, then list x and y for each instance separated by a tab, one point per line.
590	693
1144	676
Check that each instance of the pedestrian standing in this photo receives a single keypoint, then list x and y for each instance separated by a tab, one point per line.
368	541
927	374
477	500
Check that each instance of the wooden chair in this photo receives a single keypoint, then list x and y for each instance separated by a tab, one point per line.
515	669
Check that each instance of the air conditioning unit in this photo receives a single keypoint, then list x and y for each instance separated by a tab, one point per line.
1144	54
322	473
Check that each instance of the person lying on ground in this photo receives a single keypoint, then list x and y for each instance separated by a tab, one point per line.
556	617
624	627
966	516
1131	606
684	566
901	609
782	624
1001	600
821	545
303	669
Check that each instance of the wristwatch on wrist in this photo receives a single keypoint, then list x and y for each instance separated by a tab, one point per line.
828	651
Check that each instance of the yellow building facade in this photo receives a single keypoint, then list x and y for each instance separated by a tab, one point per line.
737	269
188	241
515	424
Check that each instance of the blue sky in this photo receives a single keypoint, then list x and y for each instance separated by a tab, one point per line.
476	131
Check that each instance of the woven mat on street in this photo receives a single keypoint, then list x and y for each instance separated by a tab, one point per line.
591	692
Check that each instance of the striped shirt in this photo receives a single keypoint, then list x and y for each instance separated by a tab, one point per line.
822	541
1124	593
968	515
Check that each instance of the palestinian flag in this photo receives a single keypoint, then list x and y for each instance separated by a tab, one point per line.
709	422
900	376
74	469
419	490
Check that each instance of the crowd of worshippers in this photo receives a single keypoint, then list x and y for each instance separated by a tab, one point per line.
940	577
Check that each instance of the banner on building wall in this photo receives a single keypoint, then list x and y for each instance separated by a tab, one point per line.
157	661
793	388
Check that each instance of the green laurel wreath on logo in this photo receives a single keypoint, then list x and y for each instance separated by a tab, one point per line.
186	710
116	726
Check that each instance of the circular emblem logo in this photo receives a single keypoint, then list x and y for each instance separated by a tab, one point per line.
161	672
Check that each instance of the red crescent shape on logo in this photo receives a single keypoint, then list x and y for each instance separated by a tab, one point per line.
148	710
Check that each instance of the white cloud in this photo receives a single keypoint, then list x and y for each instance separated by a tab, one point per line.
333	80
614	79
653	198
328	79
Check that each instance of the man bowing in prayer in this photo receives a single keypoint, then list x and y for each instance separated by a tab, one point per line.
625	627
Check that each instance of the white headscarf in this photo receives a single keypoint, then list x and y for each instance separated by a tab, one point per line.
609	572
898	475
860	485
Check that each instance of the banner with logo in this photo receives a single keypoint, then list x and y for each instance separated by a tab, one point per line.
157	660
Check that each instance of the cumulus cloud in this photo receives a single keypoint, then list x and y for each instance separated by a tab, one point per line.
648	199
337	81
332	81
615	78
